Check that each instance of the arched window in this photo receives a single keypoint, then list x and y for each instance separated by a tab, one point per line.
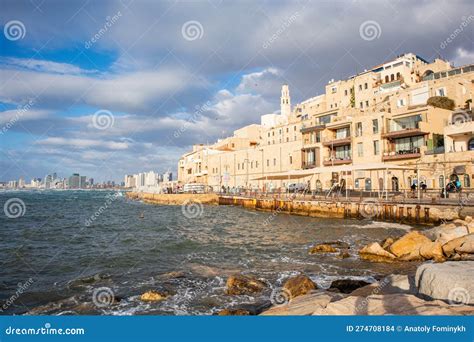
441	182
387	79
368	184
395	186
392	77
398	76
467	181
470	145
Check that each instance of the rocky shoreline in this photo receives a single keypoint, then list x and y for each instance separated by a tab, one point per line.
442	285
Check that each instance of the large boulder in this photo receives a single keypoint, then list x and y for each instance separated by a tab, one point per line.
153	296
322	248
303	305
234	312
463	244
391	304
451	234
347	285
298	286
432	250
435	232
394	283
470	227
374	252
243	285
407	248
452	281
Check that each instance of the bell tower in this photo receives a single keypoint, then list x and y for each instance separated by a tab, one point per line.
285	101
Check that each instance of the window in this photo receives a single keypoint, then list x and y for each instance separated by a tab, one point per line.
291	160
256	164
376	148
269	134
360	149
387	79
345	92
467	181
287	129
238	166
358	132
274	161
366	86
400	103
294	128
251	165
470	145
375	126
367	104
392	77
268	162
441	91
360	87
361	105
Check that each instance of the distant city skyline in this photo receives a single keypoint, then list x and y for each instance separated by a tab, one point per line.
123	89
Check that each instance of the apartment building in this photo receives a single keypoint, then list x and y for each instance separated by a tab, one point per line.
405	112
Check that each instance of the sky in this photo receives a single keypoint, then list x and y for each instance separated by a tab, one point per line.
108	88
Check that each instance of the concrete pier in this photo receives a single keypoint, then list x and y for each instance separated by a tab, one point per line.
422	214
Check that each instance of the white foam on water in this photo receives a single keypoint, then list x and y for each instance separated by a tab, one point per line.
379	224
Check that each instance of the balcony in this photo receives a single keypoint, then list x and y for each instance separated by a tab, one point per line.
317	127
402	154
403	133
308	165
330	142
337	161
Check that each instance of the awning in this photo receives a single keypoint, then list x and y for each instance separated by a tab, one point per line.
296	174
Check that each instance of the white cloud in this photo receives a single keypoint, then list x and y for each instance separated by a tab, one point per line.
84	143
463	57
44	66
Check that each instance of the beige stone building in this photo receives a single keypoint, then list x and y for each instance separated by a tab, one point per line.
404	112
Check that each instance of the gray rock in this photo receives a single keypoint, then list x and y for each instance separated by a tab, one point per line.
452	281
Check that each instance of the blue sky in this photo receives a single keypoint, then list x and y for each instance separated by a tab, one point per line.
122	102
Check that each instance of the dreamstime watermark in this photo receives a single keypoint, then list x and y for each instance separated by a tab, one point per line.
14	30
459	296
465	21
370	30
109	22
192	209
377	290
46	330
369	207
286	24
109	199
280	296
14	208
20	112
194	117
192	30
460	119
103	297
21	288
277	211
103	119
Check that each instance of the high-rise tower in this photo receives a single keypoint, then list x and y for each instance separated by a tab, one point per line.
285	102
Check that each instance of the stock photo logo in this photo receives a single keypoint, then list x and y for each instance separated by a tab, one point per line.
280	296
14	208
459	296
369	207
370	30
103	297
192	30
192	209
14	30
103	119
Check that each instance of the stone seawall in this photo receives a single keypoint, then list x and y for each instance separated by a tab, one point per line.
173	199
422	214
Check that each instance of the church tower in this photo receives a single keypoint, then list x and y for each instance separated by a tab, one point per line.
285	102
